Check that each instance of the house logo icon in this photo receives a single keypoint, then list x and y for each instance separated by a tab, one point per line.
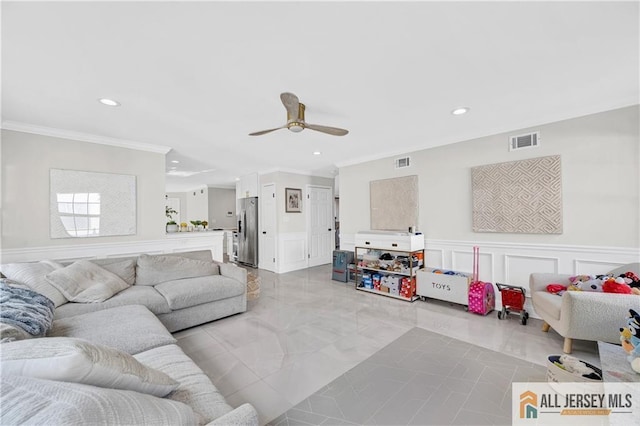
528	405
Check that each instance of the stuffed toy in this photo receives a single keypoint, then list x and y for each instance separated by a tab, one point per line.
556	288
633	280
617	285
576	282
630	339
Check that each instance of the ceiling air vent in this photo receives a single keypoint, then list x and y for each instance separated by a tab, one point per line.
530	140
403	162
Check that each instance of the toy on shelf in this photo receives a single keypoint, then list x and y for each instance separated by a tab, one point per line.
630	339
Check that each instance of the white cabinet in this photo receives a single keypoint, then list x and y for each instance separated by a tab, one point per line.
401	241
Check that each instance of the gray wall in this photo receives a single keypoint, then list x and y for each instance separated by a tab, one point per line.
221	201
600	158
26	160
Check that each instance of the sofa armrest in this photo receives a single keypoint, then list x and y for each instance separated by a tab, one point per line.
538	281
243	415
594	315
232	271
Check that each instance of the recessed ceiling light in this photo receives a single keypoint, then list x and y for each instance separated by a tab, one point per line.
109	102
316	153
460	111
175	161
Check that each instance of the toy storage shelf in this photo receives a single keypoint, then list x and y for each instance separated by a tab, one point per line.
382	293
396	270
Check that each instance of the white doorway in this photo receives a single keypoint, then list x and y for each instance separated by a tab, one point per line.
320	224
268	215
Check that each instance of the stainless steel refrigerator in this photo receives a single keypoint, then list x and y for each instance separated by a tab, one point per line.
248	231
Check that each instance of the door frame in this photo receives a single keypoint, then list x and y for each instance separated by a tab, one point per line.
261	245
308	219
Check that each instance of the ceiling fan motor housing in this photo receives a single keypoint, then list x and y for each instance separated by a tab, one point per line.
296	124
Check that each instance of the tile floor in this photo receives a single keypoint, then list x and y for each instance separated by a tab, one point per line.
305	330
421	378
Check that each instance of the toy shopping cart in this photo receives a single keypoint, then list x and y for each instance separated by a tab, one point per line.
513	298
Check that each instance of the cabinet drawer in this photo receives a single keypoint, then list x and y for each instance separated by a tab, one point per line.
397	242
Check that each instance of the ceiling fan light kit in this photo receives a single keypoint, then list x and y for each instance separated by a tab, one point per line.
295	119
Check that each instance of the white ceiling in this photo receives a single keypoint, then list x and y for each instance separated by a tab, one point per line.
199	76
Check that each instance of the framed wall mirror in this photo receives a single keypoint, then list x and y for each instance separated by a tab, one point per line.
88	204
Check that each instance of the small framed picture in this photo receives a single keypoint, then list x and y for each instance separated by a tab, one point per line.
293	200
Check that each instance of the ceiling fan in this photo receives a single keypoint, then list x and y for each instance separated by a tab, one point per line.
295	119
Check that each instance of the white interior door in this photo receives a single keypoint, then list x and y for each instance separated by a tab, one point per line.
320	225
267	244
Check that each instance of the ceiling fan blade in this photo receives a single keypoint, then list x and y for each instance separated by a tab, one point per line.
262	132
291	103
326	129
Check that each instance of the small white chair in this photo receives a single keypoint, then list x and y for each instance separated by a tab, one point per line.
581	314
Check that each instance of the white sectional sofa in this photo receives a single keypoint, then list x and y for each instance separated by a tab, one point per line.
115	361
182	289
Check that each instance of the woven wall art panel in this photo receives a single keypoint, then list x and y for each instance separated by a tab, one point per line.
394	203
518	197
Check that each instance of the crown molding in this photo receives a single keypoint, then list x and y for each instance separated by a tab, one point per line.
83	137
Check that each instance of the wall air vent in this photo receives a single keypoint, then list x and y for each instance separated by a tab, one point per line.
529	140
403	162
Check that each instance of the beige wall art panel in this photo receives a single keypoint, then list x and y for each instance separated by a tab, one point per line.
518	196
394	203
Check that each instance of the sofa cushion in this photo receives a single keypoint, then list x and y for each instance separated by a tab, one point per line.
134	295
195	389
75	360
26	400
32	274
25	309
189	292
99	327
86	282
125	268
152	270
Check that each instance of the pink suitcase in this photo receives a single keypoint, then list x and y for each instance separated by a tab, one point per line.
482	298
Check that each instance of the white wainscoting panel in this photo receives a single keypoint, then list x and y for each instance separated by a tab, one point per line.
512	263
517	268
174	243
292	252
434	257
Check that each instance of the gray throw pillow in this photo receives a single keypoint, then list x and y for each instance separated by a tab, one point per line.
85	282
78	361
26	400
125	269
156	269
32	274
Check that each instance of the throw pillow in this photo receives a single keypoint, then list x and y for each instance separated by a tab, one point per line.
85	282
67	359
25	309
156	269
125	269
32	274
26	400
